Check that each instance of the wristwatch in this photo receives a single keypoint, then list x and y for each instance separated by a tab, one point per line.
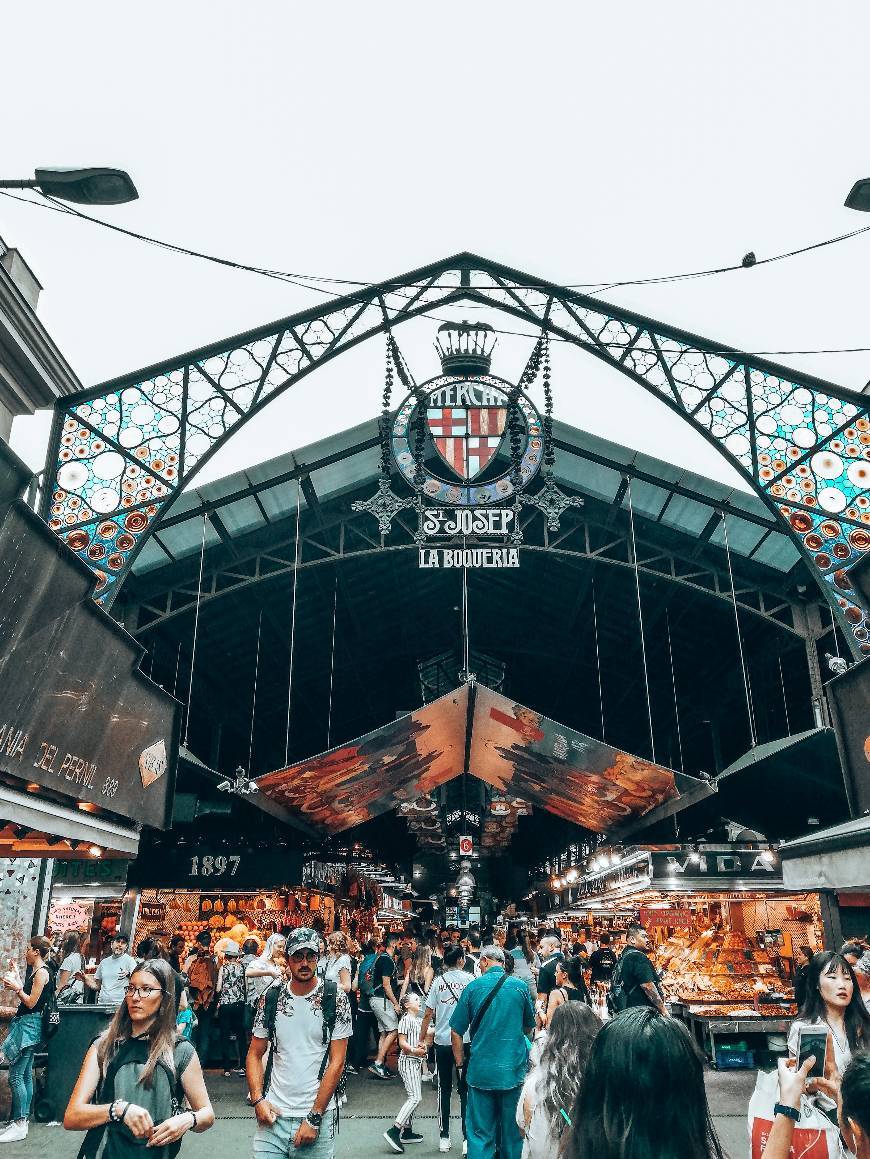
314	1120
789	1112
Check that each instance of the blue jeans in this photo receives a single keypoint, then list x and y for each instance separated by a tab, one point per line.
19	1048
278	1139
490	1123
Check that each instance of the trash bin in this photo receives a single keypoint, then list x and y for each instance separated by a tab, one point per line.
79	1026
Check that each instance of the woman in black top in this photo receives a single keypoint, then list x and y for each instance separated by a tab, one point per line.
570	985
25	1032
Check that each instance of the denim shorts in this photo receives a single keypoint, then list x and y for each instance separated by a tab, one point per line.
278	1139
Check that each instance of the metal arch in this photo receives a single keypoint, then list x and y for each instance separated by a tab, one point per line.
351	540
120	453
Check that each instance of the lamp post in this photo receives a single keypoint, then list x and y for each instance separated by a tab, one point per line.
82	186
859	196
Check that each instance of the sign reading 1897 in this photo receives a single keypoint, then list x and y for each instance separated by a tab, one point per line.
217	866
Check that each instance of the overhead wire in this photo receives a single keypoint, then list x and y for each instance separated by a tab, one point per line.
312	281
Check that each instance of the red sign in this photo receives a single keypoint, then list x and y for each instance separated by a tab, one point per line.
680	918
466	846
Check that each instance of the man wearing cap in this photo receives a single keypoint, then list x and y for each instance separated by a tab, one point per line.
496	1011
296	1109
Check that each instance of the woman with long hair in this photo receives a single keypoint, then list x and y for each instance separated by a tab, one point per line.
552	1086
833	1001
70	970
570	986
419	972
134	1069
266	969
25	1031
338	965
643	1094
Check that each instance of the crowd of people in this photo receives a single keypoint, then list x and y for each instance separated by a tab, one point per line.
554	1051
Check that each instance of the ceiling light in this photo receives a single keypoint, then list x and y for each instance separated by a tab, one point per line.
95	851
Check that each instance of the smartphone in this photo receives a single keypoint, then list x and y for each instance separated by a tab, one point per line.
812	1041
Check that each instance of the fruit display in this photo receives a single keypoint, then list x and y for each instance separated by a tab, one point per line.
718	966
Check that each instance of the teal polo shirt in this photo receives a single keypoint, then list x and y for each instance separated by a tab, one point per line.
499	1055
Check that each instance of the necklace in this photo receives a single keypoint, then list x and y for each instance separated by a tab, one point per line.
843	1045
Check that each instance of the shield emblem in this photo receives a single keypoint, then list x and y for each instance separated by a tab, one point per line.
467	437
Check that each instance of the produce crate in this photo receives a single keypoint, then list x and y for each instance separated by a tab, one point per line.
734	1059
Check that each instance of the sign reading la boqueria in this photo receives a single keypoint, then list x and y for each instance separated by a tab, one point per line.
470	444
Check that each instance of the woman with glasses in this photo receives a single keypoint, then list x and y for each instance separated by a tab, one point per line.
136	1075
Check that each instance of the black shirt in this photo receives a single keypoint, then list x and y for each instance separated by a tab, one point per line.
547	974
471	962
602	963
384	967
636	969
48	987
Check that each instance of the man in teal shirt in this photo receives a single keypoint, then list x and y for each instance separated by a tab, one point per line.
499	1055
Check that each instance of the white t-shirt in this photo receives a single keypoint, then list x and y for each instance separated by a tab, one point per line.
334	966
113	974
74	963
442	998
299	1046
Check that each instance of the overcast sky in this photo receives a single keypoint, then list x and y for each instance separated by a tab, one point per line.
577	142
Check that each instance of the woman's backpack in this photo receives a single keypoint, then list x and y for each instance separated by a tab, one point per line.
162	1100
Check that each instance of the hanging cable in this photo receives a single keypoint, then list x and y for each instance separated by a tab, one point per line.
177	666
293	622
749	711
254	701
598	656
332	663
784	701
466	647
834	630
674	687
652	741
195	627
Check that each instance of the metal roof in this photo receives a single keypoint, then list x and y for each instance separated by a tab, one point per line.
252	499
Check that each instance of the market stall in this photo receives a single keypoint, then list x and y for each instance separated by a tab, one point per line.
86	898
727	937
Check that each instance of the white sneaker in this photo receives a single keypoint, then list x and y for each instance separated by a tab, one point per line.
464	1146
15	1132
443	1144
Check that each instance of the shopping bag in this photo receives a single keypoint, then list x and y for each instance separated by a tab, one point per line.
815	1136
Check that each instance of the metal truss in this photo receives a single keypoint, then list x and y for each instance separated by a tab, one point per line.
351	536
121	452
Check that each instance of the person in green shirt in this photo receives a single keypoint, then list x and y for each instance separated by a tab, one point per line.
496	1009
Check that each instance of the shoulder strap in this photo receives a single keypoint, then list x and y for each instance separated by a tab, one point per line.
270	1009
330	1009
485	1005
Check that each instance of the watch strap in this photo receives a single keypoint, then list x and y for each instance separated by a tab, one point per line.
789	1112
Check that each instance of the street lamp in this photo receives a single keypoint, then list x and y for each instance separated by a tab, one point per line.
83	186
859	196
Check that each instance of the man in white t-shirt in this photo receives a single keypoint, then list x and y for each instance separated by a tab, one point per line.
296	1111
113	973
440	1003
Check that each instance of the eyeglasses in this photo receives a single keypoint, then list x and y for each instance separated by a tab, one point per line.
142	991
303	956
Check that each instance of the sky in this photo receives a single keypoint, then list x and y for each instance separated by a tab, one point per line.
580	143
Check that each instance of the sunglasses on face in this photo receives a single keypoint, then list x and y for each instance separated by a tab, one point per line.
299	956
143	991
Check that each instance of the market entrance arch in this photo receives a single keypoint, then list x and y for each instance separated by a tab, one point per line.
121	453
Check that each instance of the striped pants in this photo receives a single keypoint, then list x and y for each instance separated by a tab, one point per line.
410	1071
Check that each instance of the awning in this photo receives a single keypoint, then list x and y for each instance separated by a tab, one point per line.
45	821
835	858
515	750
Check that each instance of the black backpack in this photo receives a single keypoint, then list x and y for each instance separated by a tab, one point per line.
329	1009
618	995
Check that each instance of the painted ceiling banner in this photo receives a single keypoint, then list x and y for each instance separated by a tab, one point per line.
521	753
517	751
401	761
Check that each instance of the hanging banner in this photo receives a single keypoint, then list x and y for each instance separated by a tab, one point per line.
466	846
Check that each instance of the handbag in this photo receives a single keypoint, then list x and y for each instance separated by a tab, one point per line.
815	1136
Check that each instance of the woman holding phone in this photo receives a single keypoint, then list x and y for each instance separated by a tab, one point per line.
833	1004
